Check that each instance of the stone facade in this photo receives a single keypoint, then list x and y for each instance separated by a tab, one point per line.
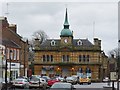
68	56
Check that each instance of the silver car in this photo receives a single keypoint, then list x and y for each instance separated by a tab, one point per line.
71	80
20	82
62	86
37	83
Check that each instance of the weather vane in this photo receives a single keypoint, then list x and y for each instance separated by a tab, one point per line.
66	5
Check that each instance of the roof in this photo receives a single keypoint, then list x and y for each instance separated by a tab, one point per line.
10	43
47	44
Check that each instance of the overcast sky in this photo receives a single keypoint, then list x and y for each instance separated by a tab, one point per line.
49	16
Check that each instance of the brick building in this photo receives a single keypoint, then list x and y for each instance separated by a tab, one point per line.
68	56
16	50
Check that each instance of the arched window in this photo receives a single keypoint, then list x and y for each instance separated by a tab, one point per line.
53	43
80	58
48	58
79	42
44	58
51	58
84	58
65	58
88	58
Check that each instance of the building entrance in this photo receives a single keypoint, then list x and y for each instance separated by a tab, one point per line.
65	72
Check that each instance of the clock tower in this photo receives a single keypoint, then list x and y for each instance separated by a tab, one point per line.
66	34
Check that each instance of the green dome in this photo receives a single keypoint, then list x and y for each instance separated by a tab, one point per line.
66	32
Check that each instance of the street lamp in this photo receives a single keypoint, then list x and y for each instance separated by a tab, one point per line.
10	66
5	70
118	65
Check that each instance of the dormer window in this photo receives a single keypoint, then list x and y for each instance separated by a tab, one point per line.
79	42
53	43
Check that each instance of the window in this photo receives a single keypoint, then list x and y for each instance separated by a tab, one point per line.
88	57
53	43
80	58
84	59
14	54
44	58
65	58
80	70
8	53
17	54
79	42
11	54
51	58
47	58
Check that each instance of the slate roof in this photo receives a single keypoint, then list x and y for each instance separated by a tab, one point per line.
47	44
10	43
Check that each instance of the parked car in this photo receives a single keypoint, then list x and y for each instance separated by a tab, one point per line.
46	78
106	79
62	86
52	81
60	78
72	80
37	83
20	82
84	79
23	77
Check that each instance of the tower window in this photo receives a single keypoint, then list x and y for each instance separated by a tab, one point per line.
79	42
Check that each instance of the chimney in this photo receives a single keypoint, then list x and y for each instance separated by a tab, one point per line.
37	43
13	27
97	42
3	23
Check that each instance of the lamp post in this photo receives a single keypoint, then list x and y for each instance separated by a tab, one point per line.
5	69
118	65
10	66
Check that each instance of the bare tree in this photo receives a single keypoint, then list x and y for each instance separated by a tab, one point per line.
113	52
41	35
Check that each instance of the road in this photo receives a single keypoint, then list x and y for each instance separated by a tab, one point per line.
92	86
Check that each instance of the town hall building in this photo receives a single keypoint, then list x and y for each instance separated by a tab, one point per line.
69	56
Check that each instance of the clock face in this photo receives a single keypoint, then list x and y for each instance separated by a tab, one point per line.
65	40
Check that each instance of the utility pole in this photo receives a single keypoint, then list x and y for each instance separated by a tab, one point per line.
118	65
10	66
6	68
118	61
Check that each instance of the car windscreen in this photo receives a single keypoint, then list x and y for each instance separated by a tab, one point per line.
61	86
